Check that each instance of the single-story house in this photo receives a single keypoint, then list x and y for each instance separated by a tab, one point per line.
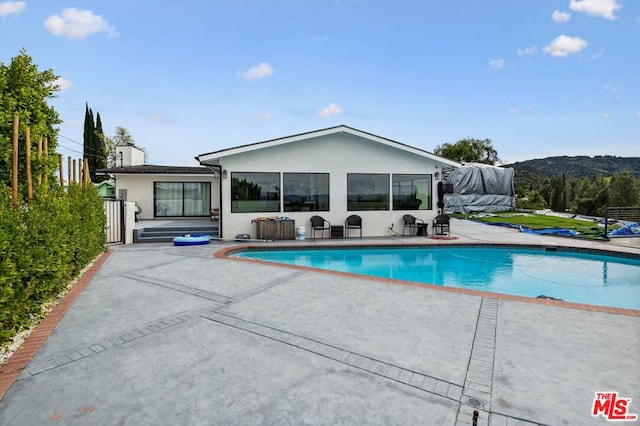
163	191
333	173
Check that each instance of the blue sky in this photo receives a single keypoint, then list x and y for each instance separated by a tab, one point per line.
538	77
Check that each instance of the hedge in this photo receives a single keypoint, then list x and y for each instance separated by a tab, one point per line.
43	246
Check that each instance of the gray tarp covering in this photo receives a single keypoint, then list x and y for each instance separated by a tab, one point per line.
480	189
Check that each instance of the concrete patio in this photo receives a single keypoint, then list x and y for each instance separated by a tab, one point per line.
167	335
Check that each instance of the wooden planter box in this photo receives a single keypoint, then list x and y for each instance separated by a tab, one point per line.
276	230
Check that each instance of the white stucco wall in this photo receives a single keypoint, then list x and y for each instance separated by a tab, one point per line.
336	154
129	156
140	188
129	220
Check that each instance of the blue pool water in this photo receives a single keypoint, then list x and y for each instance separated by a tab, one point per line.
570	276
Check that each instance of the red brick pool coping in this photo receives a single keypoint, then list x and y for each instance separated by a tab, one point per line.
226	252
10	371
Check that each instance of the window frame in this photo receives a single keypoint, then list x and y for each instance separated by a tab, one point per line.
354	179
411	177
265	200
307	203
207	211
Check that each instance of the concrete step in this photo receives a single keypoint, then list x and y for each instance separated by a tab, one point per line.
159	234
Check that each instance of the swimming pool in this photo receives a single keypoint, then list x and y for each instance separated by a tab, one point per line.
560	273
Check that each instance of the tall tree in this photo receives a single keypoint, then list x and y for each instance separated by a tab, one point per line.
95	150
121	138
25	90
100	158
624	190
558	201
88	140
469	150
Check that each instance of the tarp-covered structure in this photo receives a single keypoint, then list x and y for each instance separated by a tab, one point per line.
479	188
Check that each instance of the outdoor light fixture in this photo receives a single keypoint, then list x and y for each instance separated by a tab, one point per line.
224	174
436	175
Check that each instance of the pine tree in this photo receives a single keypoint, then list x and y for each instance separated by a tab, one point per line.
100	150
88	139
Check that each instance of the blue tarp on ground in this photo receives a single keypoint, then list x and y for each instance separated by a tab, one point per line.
552	231
525	230
505	224
628	229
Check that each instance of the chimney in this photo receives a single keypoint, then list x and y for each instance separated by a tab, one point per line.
129	155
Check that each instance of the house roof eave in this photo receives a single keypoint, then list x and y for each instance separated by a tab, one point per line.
214	157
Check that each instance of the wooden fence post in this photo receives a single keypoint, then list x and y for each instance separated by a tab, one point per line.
69	171
61	172
87	178
40	157
74	171
27	156
46	155
14	180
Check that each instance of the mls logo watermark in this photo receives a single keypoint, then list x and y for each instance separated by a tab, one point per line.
612	408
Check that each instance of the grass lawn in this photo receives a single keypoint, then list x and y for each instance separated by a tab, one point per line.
586	228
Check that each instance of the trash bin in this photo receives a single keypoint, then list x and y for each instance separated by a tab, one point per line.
300	232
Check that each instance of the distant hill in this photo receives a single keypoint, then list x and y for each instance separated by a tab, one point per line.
576	167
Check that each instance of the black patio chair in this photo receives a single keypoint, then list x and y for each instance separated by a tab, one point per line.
411	223
440	225
353	222
318	223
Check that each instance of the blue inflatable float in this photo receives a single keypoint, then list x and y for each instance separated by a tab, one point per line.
191	240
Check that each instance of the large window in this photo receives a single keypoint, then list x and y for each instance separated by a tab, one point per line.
412	192
181	199
367	192
255	192
306	192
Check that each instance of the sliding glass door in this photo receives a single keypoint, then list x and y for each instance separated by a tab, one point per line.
177	199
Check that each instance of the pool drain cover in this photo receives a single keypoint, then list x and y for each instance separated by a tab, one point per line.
474	402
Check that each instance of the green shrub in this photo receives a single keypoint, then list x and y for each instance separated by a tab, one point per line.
44	245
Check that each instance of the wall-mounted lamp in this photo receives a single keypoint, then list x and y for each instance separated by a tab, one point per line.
224	174
436	175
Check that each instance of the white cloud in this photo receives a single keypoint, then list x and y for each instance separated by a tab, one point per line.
563	46
638	114
265	117
602	8
64	83
513	109
10	7
496	64
594	56
74	23
610	88
157	118
527	51
257	72
607	115
329	110
561	17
